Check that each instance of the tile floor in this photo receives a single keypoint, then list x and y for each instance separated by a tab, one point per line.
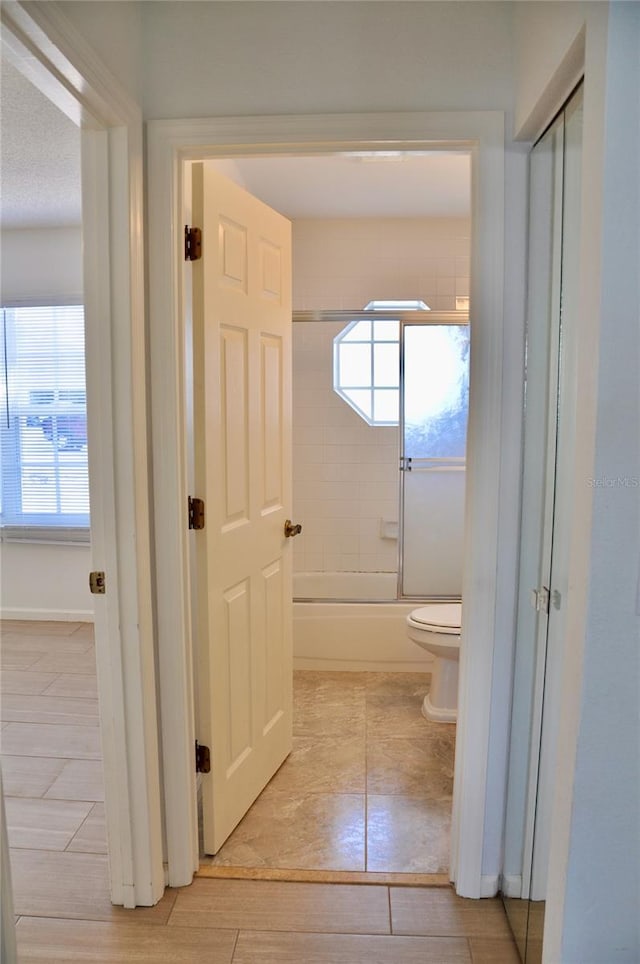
53	788
367	787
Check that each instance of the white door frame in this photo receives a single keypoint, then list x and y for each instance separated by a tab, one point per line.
50	52
172	143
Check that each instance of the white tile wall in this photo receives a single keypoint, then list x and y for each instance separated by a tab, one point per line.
345	472
346	263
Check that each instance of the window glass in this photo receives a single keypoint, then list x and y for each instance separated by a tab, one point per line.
384	330
386	407
436	390
386	365
362	401
43	427
355	366
436	380
357	331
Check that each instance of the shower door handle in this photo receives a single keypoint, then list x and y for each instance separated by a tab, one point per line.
291	529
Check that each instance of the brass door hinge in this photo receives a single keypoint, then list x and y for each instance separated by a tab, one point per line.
97	583
192	243
203	758
196	513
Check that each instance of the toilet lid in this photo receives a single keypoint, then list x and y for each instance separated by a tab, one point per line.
441	617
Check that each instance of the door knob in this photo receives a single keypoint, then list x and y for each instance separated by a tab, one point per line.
291	529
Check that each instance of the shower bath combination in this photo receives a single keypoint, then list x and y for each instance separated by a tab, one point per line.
380	403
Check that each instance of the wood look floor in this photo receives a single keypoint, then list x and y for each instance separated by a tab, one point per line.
54	796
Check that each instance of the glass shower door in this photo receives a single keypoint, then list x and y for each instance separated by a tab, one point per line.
433	433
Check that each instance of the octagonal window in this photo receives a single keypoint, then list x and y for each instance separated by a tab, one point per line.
366	363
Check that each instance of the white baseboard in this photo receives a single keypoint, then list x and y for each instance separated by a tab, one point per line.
49	615
489	885
511	885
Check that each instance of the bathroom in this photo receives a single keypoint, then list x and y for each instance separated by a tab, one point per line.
374	228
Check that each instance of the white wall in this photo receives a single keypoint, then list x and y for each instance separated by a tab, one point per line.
114	31
593	888
234	58
207	59
346	478
43	581
42	263
548	48
204	59
345	263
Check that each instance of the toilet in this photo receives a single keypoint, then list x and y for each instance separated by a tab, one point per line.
437	628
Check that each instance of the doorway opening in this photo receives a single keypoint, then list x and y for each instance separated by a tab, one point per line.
52	758
491	506
45	48
338	472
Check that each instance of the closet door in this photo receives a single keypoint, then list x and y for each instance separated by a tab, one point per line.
548	457
563	494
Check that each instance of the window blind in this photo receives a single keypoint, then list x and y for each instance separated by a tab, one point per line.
43	418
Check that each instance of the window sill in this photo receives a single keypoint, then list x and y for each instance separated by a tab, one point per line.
46	535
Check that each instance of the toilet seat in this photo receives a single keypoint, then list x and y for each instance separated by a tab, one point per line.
443	618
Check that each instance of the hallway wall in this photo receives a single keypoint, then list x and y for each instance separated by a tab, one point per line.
595	816
287	58
252	58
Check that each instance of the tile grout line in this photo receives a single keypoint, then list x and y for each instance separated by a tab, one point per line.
79	828
235	945
259	930
366	782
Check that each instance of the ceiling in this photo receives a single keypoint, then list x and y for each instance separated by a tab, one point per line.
392	184
40	157
40	167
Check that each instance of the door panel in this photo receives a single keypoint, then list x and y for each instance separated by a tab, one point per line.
242	422
275	683
235	426
237	645
271	423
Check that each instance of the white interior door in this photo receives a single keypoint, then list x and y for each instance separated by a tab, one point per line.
563	489
242	424
538	482
547	493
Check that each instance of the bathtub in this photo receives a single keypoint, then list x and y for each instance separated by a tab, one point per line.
358	632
